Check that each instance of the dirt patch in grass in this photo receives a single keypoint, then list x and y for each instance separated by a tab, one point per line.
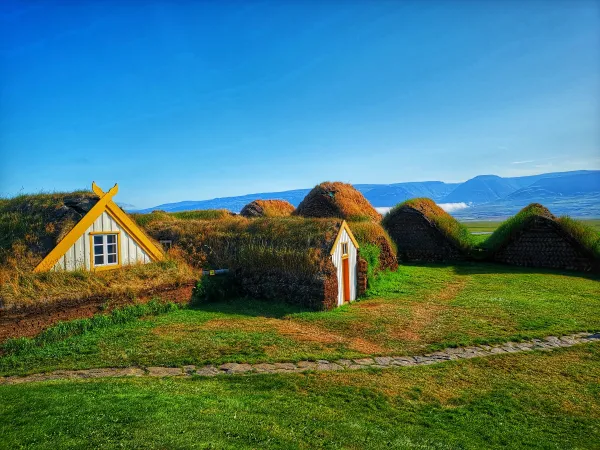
297	331
424	314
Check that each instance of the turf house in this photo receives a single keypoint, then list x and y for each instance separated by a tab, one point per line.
423	231
84	230
536	238
311	262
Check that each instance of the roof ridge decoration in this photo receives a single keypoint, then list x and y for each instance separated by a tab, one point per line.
105	203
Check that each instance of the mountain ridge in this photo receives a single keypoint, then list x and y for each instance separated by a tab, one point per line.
576	192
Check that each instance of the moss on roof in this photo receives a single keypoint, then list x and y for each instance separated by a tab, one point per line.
586	236
339	200
32	225
237	241
456	232
267	208
199	214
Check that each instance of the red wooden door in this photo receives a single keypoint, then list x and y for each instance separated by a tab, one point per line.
346	278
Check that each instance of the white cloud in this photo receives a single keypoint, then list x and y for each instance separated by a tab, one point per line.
523	162
450	207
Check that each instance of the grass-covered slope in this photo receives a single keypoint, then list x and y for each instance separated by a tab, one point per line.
161	216
267	208
583	234
339	200
376	247
32	225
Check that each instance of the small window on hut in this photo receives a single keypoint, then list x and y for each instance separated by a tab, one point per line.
105	250
344	248
166	243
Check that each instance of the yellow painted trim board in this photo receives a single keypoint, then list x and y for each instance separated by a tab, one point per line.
155	253
76	232
344	226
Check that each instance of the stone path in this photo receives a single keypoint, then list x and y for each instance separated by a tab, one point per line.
381	362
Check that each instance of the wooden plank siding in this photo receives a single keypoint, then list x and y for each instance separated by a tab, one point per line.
336	257
78	255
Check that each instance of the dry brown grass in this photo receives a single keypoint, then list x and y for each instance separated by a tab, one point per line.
337	200
296	330
267	208
18	288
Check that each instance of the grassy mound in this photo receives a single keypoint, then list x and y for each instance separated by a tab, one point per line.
200	214
376	247
267	208
451	228
586	236
339	200
32	225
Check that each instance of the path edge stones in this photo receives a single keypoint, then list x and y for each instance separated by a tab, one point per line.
380	362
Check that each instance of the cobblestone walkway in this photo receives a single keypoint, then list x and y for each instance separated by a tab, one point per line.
382	362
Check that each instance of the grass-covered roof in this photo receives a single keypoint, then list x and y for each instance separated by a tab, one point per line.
585	236
32	225
456	232
199	214
336	199
267	208
240	241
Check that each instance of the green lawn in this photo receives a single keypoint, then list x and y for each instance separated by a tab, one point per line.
530	400
414	310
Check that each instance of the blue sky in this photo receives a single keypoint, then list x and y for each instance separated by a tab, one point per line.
194	100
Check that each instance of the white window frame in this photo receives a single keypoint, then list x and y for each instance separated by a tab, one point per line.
345	247
105	253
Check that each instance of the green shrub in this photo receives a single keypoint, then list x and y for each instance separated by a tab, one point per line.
370	253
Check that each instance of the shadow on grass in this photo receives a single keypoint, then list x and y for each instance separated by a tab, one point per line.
250	307
475	268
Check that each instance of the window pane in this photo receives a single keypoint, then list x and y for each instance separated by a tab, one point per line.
98	249
111	238
112	248
98	260
97	240
112	259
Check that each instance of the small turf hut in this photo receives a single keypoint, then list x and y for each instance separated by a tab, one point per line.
422	231
534	237
310	262
70	231
267	208
337	200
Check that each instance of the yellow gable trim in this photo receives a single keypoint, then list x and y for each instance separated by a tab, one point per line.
65	244
131	227
339	236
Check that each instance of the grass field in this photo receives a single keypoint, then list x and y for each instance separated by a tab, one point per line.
411	311
531	400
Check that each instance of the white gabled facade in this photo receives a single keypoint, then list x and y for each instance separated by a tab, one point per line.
345	247
79	255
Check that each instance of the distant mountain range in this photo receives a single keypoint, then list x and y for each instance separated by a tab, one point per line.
575	193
